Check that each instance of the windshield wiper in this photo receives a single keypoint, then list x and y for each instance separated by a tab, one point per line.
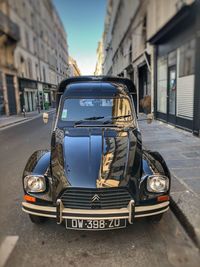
99	118
122	116
115	118
88	119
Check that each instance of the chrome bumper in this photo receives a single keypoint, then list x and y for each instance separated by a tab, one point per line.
129	213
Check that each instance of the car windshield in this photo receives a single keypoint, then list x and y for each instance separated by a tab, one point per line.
96	109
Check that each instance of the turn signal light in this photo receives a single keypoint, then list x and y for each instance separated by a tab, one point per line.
29	198
162	198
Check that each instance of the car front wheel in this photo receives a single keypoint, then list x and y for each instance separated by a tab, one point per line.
37	219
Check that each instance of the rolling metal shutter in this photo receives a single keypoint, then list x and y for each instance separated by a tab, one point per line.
185	94
185	97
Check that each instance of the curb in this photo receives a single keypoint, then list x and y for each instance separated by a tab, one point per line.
13	123
25	119
182	218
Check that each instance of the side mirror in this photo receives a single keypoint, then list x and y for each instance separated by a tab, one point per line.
45	117
149	118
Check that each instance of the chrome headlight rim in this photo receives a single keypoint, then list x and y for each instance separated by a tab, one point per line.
164	181
34	178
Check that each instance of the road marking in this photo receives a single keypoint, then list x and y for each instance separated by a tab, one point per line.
6	248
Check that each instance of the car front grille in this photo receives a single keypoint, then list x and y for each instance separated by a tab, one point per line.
101	198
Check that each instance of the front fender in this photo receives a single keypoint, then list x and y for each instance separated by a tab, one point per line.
153	163
39	164
156	162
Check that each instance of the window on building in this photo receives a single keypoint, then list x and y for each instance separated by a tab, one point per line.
187	59
42	52
144	31
32	21
15	6
162	85
41	31
44	74
47	37
172	58
130	53
27	40
21	66
35	47
48	56
45	54
37	71
24	10
30	72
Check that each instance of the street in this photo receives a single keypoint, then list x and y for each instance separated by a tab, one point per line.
141	244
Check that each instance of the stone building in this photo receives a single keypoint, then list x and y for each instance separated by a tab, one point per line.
9	37
99	64
41	55
73	67
156	44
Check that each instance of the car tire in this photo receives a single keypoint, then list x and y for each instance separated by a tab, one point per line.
155	218
37	219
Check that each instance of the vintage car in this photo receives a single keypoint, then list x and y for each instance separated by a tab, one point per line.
96	176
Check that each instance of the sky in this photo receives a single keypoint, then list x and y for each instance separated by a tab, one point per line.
84	22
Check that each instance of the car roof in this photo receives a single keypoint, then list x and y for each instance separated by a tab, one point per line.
128	83
108	81
95	89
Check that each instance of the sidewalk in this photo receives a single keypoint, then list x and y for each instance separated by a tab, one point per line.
16	119
181	150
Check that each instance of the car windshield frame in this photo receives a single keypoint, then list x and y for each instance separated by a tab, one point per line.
99	122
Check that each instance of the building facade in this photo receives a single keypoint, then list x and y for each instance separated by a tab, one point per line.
9	91
176	69
99	64
74	69
155	43
41	55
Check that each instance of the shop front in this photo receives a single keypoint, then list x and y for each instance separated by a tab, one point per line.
28	94
30	99
53	95
176	75
47	95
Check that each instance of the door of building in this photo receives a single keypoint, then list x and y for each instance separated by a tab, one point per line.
2	102
142	85
11	95
171	95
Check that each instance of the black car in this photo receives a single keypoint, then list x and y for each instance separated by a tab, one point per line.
96	175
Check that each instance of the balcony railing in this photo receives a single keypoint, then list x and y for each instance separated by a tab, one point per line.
9	28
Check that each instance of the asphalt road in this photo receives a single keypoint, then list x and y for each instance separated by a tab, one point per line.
26	244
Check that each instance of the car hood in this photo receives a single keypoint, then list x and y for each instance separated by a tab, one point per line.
94	158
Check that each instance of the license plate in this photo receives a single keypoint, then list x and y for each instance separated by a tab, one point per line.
95	224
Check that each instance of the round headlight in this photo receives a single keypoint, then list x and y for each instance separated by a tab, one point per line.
157	183
34	183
